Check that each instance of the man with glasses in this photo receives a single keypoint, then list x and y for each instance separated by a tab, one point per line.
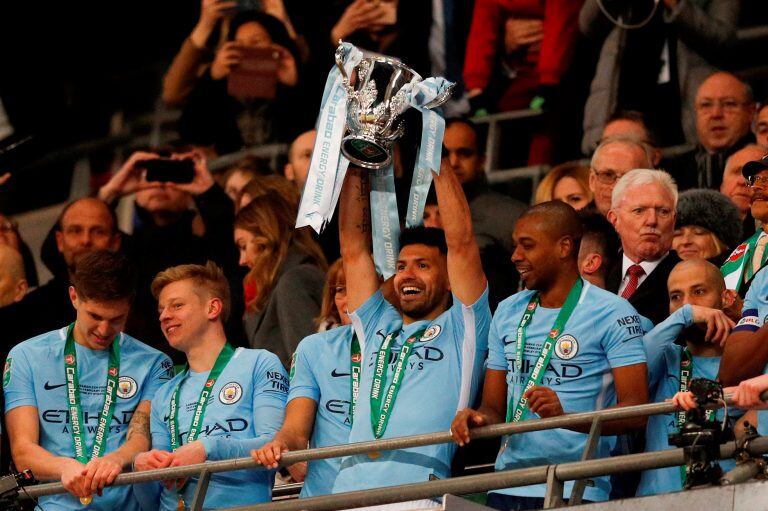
749	257
643	214
724	111
613	158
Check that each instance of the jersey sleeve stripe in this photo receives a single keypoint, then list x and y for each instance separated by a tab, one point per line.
468	347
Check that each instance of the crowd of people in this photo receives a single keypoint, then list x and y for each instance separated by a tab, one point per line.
217	330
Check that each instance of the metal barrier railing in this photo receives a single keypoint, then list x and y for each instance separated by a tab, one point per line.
553	475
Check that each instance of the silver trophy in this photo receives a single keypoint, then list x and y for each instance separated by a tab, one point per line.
376	102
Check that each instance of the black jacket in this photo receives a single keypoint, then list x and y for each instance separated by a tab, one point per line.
650	299
698	168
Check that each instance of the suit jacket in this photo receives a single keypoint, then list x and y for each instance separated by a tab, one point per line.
650	299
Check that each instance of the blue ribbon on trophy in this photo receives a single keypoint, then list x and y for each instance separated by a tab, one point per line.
378	90
328	167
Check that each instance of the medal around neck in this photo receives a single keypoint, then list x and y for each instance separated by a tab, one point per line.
361	117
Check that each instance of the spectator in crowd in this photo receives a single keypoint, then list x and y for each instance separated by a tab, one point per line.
299	158
212	116
761	124
241	174
431	211
268	185
567	182
750	256
168	230
612	159
635	70
599	247
724	113
631	124
84	226
335	288
9	235
283	288
643	214
443	297
537	41
707	226
398	28
493	214
246	387
38	406
196	51
600	361
686	345
13	283
735	187
325	373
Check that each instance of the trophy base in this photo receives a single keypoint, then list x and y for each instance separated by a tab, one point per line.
365	152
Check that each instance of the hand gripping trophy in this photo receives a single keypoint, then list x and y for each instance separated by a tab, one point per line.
365	97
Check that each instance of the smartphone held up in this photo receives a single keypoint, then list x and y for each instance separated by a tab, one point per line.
256	75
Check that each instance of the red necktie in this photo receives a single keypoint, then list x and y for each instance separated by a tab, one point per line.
635	272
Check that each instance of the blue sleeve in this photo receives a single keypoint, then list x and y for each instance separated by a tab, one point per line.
750	316
161	437
18	381
303	381
476	317
662	336
497	359
148	494
269	394
622	335
160	373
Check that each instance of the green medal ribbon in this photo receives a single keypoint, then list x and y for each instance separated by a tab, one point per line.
686	373
202	402
537	373
382	405
73	398
355	360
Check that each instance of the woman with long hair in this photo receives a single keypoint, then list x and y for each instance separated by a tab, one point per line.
283	288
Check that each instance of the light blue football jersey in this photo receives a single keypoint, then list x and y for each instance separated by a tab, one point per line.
754	314
246	411
603	332
442	377
36	378
664	382
321	372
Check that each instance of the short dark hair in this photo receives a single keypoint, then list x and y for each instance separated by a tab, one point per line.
598	230
104	276
430	236
638	118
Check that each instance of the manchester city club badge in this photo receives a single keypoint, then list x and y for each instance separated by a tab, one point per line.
566	347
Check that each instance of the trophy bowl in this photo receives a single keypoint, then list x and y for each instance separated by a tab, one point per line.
376	102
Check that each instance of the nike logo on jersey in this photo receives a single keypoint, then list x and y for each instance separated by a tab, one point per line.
48	386
336	374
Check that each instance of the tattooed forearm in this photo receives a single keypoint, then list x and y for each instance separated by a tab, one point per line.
139	426
364	197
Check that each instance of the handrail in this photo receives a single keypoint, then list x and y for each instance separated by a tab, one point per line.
289	458
502	479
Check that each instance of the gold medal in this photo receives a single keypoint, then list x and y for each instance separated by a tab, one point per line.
374	455
181	506
86	500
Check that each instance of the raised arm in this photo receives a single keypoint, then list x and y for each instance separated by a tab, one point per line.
355	238
465	271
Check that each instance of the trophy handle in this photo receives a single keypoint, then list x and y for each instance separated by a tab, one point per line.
339	56
442	97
